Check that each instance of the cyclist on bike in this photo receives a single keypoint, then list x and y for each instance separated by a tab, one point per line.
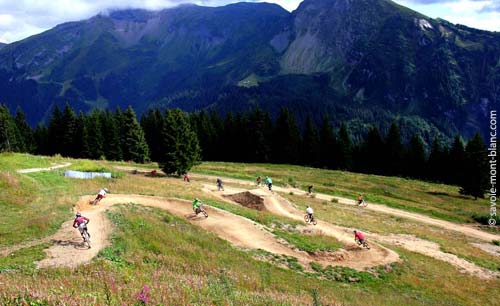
257	180
360	199
309	189
358	237
186	177
101	195
310	212
196	205
269	183
219	184
81	222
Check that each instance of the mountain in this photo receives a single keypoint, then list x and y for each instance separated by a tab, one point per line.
2	45
359	61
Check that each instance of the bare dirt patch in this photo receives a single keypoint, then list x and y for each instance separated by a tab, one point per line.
248	199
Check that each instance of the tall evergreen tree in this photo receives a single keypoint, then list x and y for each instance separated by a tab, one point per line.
310	144
435	163
455	162
180	143
328	145
55	131
152	123
69	143
111	136
415	158
345	149
206	135
41	137
372	153
135	147
92	136
286	139
475	181
8	131
394	151
257	133
26	141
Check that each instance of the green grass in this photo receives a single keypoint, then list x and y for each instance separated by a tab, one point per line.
435	200
182	264
310	243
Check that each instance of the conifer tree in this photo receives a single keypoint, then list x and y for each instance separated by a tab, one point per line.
41	137
286	139
69	143
415	157
135	147
476	170
345	151
55	131
310	144
328	145
455	162
394	151
111	136
180	144
92	136
435	163
372	153
152	124
8	131
26	140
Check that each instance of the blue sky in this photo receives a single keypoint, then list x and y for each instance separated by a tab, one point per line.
22	18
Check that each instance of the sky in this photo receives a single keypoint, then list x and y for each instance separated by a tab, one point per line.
22	18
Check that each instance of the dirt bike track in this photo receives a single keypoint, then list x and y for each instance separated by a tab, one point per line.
67	249
280	206
463	229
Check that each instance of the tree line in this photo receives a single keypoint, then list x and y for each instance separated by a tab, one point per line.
177	141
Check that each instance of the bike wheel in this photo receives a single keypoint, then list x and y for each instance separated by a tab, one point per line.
366	245
314	221
306	218
204	213
86	238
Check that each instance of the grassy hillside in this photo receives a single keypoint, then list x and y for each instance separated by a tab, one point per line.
156	258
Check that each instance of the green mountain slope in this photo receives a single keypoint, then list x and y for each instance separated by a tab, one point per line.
375	62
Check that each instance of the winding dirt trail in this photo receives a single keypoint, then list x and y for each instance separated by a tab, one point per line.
67	250
280	206
30	170
463	229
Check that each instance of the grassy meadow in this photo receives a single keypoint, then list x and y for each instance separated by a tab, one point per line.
156	258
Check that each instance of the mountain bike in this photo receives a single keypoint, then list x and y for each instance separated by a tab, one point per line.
364	243
310	219
86	236
202	210
362	204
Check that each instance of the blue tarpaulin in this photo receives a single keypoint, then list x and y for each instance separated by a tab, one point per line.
86	175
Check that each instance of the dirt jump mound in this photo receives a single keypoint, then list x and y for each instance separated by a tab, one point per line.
248	199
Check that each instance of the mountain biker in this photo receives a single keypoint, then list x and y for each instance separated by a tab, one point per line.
360	199
358	236
100	195
310	212
309	189
257	180
269	183
186	177
219	184
196	205
81	222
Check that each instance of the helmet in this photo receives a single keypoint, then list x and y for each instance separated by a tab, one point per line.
78	214
308	206
197	199
355	231
106	189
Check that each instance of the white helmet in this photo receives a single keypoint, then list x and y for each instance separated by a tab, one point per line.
106	189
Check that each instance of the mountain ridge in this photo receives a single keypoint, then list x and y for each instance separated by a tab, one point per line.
380	62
